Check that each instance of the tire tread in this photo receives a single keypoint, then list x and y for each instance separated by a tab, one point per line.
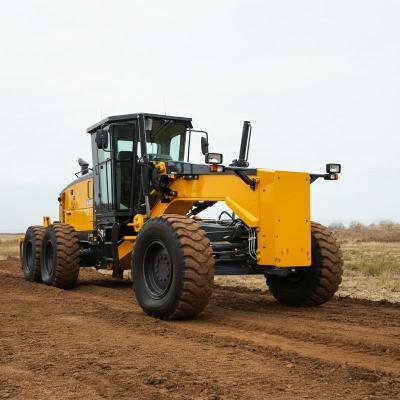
38	234
198	266
68	253
328	256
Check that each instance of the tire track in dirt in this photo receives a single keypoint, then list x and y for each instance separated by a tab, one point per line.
311	341
302	340
325	333
99	344
328	347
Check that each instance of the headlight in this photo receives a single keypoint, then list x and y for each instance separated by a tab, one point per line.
333	168
213	158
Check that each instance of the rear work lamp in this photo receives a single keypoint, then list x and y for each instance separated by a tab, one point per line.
333	168
213	158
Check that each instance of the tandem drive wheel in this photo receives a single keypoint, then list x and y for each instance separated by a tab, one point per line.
60	256
314	285
30	253
172	267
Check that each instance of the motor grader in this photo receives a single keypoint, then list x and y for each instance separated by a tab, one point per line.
139	208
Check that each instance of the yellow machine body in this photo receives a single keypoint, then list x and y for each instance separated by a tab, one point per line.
142	207
278	210
76	205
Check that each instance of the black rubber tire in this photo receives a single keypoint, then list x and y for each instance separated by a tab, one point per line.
315	285
187	251
59	259
30	253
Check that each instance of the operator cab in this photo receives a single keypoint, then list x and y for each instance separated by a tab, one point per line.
120	145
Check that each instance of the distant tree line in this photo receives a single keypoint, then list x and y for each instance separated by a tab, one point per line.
357	225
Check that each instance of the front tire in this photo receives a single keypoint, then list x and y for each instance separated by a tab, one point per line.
173	267
30	253
314	285
60	256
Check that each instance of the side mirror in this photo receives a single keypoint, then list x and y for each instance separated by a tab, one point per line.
102	139
84	166
204	145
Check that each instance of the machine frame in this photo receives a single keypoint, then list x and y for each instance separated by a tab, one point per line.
272	206
140	210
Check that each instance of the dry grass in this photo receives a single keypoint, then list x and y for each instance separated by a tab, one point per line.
377	234
8	246
372	258
371	251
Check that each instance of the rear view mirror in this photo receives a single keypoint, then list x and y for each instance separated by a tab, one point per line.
102	139
204	145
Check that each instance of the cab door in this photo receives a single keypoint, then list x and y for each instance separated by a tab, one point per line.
103	180
116	180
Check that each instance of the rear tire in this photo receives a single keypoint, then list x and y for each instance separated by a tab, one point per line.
60	256
314	285
30	253
173	267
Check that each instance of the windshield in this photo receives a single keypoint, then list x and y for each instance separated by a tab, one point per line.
166	140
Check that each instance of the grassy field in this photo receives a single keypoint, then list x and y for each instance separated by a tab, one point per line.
8	246
371	263
372	258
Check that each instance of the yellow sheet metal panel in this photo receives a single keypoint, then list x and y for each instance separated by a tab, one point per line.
284	237
228	188
279	209
80	219
124	253
76	206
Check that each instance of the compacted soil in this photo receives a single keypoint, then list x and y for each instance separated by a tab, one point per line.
94	342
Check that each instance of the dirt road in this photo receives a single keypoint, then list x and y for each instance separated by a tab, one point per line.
94	342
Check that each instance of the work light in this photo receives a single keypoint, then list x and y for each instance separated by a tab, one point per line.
333	168
213	158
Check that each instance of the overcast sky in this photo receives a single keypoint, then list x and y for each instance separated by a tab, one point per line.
319	80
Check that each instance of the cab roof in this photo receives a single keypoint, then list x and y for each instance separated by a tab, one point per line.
133	117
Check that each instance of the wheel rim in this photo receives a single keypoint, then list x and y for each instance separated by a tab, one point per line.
49	257
29	256
157	269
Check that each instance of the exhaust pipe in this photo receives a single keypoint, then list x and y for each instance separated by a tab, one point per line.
242	161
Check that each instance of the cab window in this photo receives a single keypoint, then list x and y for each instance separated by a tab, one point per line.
166	141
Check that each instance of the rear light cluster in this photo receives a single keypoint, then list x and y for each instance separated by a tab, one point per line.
217	168
332	172
332	177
